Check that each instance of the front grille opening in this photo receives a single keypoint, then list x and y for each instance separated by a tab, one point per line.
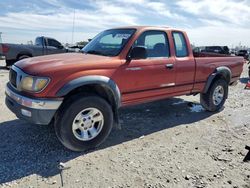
13	76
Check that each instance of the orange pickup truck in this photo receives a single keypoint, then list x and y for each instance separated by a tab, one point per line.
82	92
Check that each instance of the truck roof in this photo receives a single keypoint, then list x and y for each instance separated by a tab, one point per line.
45	37
147	28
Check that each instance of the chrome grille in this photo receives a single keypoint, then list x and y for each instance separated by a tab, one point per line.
13	77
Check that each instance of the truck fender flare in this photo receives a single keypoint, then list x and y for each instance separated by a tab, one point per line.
223	71
104	81
28	53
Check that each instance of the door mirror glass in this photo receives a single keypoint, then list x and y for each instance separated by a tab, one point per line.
138	52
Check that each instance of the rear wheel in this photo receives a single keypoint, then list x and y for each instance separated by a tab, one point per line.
216	96
23	57
249	71
84	122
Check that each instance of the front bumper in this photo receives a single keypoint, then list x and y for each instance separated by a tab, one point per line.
37	111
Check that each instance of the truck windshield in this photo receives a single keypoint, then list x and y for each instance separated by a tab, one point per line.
109	42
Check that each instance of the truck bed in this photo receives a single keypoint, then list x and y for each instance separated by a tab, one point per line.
207	62
208	54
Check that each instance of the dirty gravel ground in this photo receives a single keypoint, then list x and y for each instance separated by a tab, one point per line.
169	143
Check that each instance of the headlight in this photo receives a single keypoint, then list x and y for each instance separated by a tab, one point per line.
33	84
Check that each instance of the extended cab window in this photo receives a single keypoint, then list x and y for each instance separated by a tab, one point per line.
155	42
180	44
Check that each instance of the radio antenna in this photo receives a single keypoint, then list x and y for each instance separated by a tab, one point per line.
73	28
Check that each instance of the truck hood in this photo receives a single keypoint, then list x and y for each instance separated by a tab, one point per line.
69	62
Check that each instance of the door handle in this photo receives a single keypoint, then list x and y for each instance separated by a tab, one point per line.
169	66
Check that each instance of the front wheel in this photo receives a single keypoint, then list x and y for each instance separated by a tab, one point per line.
216	96
83	122
9	62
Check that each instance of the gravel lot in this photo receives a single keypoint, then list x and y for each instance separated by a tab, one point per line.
170	143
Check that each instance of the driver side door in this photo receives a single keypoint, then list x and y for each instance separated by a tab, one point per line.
150	77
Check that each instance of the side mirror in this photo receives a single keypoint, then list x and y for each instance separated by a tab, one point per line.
138	52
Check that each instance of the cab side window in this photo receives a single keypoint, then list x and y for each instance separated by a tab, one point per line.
54	43
155	42
180	44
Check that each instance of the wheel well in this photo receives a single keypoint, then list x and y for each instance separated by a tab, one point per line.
224	73
218	77
224	76
21	54
220	74
96	89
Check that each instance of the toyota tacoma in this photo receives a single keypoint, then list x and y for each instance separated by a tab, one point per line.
81	93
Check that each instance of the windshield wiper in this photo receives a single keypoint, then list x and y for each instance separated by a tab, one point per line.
94	52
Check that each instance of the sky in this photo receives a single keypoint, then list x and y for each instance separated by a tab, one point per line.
207	22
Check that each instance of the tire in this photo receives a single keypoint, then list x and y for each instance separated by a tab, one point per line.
208	100
67	122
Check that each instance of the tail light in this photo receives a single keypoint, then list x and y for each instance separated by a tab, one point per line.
5	48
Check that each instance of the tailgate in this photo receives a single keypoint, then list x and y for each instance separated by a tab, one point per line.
1	49
2	57
4	49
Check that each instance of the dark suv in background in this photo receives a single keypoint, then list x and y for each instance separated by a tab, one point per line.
243	53
213	49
